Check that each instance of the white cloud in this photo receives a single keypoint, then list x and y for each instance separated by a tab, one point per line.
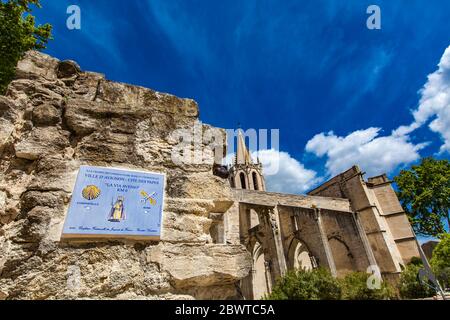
373	153
282	173
382	154
291	176
434	104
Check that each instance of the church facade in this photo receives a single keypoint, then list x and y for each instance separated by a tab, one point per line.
346	224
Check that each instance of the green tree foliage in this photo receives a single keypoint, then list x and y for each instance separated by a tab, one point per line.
441	261
416	261
317	284
441	253
424	192
18	34
410	286
354	287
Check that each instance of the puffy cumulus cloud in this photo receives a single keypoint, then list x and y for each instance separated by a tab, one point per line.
373	153
282	173
285	174
382	154
434	104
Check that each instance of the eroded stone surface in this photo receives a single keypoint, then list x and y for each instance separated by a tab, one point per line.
55	118
201	265
41	142
46	114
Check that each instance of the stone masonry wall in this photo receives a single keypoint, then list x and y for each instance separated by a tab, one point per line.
55	118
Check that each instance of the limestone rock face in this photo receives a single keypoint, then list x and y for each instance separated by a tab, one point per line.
201	265
55	118
46	114
42	141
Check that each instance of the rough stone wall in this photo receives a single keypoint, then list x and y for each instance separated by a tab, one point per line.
395	217
352	185
345	241
291	200
308	233
55	118
340	247
377	207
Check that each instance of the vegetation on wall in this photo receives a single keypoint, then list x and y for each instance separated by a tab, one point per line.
410	287
354	287
18	34
441	261
319	284
424	191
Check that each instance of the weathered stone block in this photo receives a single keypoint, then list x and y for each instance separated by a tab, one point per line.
37	65
57	118
46	115
42	141
201	265
185	228
67	69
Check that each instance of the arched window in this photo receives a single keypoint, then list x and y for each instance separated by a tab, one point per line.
299	256
343	258
243	184
260	280
255	180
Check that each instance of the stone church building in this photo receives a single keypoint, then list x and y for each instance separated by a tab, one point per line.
223	235
346	224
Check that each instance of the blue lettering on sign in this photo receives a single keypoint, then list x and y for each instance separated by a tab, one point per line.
115	203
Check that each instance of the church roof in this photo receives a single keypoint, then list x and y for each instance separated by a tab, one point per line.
242	153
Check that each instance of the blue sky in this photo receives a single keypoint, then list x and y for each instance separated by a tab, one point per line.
306	67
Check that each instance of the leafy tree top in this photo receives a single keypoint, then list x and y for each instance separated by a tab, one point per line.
441	253
18	34
424	192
